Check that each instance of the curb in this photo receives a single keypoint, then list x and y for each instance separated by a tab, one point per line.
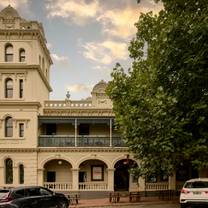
124	204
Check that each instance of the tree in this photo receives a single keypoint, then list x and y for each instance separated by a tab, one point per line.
160	105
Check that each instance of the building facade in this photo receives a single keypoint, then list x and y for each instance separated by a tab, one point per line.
64	145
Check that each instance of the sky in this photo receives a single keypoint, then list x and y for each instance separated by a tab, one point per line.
86	38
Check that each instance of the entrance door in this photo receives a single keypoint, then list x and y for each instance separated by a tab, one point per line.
121	179
51	176
82	177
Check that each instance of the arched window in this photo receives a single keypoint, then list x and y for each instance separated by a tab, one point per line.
8	171
22	55
8	127
21	174
8	88
8	53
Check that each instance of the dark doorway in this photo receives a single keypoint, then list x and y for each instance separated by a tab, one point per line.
51	176
84	129
121	174
82	177
51	129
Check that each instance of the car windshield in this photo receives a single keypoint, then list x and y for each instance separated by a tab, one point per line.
3	193
197	184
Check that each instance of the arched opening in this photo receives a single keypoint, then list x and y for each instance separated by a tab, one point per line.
8	53
8	163
8	127
22	55
122	175
8	88
93	175
58	175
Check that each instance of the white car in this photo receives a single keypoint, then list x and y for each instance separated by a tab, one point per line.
194	192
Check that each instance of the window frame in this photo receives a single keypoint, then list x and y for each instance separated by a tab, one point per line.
21	88
8	127
8	178
9	54
21	130
22	55
9	89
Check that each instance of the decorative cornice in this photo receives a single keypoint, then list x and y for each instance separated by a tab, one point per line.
78	112
66	150
19	103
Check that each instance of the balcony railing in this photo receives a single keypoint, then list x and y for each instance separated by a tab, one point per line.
157	186
80	141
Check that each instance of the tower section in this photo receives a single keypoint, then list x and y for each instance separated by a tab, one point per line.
24	79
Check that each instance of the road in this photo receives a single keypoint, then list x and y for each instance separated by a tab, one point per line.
152	206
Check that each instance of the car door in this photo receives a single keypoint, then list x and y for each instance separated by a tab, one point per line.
32	198
47	198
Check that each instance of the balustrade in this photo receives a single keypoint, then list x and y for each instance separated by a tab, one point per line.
82	141
56	186
156	186
86	186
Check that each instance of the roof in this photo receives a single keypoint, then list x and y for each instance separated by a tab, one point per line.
9	13
100	87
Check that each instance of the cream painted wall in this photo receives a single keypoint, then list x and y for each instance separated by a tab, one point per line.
28	159
63	170
65	129
100	129
20	114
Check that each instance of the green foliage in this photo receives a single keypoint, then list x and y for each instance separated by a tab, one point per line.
161	105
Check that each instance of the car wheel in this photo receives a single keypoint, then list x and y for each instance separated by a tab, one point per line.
63	205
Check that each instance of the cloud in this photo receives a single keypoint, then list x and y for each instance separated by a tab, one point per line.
105	52
64	60
119	22
76	88
77	11
14	3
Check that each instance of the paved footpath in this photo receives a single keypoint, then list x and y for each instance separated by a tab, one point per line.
124	203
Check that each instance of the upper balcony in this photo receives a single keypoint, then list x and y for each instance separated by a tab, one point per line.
79	141
78	132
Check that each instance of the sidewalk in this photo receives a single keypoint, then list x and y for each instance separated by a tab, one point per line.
124	201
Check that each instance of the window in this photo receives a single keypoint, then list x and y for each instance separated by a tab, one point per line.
21	130
9	53
22	55
51	129
8	171
8	88
8	127
84	129
43	64
21	174
97	173
21	88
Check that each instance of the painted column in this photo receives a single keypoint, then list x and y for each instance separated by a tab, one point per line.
111	143
172	182
41	177
111	179
75	131
75	179
141	183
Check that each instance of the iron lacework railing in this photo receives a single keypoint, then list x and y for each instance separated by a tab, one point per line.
80	141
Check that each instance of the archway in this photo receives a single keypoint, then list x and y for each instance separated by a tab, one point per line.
58	174
93	175
122	175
